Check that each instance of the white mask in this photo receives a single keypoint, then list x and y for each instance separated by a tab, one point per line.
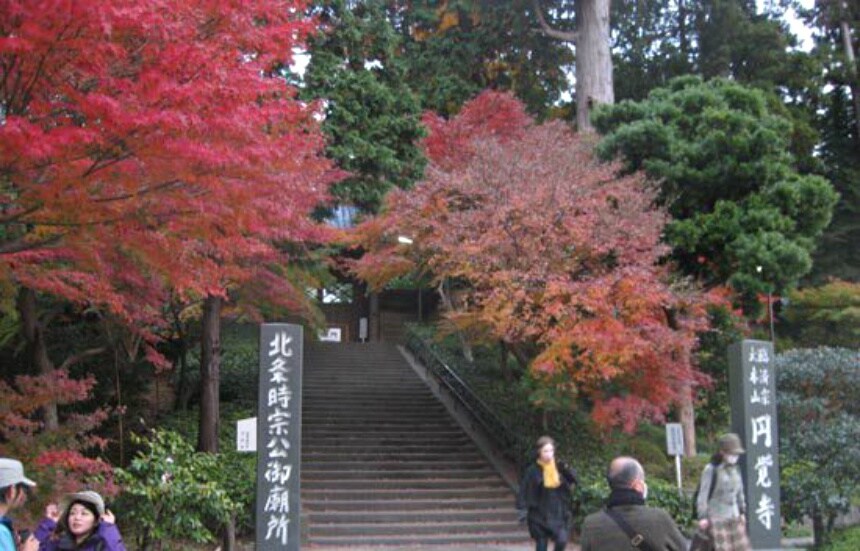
732	459
644	490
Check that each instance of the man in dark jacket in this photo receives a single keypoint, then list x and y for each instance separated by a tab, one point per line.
649	526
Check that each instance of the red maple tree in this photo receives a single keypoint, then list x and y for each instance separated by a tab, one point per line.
552	251
150	149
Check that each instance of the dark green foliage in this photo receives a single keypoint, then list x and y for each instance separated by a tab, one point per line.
712	410
722	158
591	497
171	492
839	252
819	427
371	117
847	539
455	49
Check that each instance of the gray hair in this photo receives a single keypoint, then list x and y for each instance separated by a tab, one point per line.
623	471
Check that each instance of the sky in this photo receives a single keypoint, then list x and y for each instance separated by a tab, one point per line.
797	27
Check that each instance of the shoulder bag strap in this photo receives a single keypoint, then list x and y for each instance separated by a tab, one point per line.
637	540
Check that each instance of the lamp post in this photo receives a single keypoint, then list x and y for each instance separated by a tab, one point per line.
759	269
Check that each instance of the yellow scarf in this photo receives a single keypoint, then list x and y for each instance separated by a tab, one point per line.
550	474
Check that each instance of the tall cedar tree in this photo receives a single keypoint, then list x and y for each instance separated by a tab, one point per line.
372	118
147	146
555	252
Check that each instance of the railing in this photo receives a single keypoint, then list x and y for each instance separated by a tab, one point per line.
509	443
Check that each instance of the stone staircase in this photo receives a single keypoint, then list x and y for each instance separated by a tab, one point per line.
384	465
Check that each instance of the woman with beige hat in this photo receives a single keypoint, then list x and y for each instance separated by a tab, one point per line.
84	525
721	508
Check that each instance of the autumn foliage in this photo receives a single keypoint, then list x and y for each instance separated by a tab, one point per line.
152	145
551	251
57	460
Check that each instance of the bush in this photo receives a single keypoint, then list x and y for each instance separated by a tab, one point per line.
844	540
819	421
173	493
593	491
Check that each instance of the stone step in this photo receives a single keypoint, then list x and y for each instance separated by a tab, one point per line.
403	504
518	537
319	429
393	459
393	466
505	515
340	446
382	424
411	528
404	473
355	416
324	493
402	484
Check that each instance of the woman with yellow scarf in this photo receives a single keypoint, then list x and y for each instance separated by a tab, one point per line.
544	497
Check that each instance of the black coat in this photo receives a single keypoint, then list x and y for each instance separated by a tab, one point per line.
547	509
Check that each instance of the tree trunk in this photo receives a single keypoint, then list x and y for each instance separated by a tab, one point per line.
851	61
507	373
373	319
687	414
817	529
34	335
593	60
228	539
183	391
449	306
683	38
686	409
210	367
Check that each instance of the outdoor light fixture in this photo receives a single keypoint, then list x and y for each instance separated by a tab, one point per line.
405	240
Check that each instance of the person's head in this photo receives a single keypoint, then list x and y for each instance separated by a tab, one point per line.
729	449
545	449
81	512
626	473
13	484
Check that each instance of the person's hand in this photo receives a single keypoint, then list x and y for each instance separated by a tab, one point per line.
108	517
30	544
52	512
704	524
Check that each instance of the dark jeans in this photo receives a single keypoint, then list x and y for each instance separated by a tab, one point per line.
560	539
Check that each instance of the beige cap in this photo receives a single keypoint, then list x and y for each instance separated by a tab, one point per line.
730	444
87	497
12	473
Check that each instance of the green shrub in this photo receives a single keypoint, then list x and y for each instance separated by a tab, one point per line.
591	495
171	492
844	540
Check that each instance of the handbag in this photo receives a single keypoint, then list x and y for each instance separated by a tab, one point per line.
701	542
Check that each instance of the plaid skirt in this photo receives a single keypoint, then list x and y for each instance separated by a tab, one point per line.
729	535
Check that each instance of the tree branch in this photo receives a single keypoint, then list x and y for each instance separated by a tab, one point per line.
82	356
20	245
566	36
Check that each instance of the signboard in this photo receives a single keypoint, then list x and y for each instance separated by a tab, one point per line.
279	434
332	334
674	439
246	435
752	387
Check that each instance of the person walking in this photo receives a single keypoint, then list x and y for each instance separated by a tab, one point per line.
83	525
13	494
720	503
627	523
543	500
